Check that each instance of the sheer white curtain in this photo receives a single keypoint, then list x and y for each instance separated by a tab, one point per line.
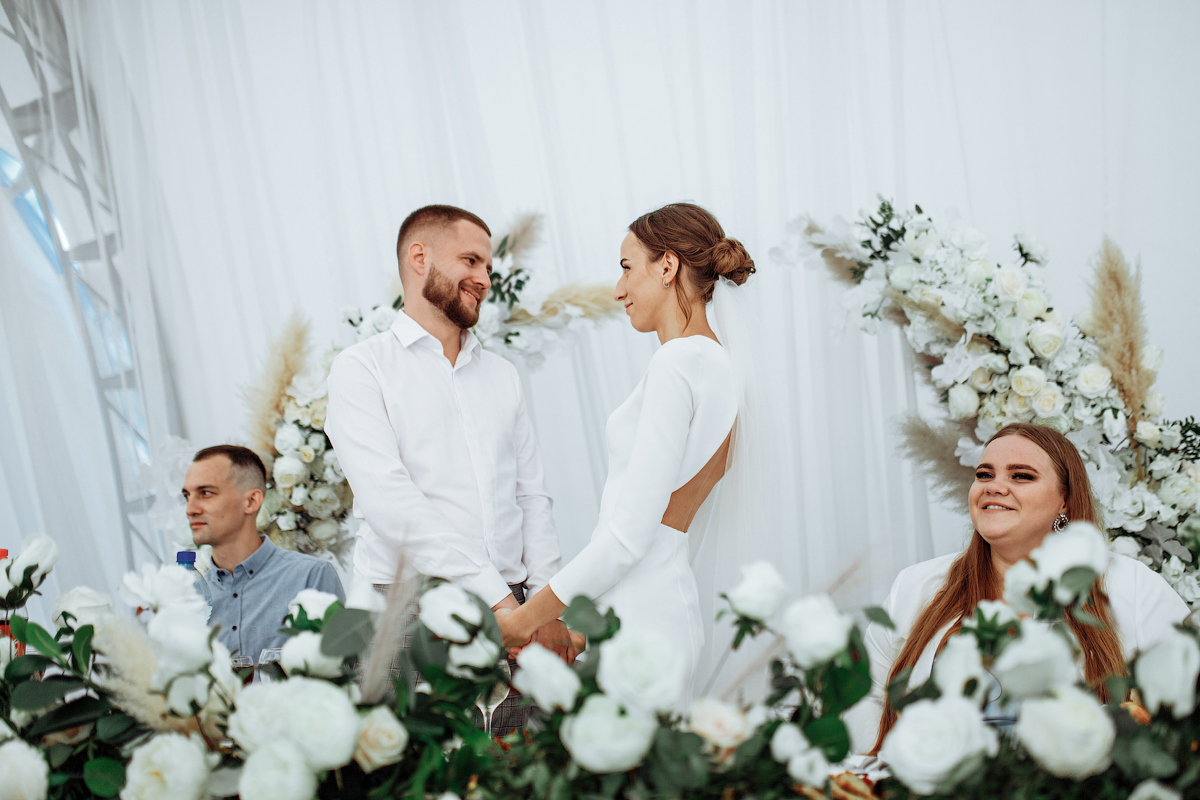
271	149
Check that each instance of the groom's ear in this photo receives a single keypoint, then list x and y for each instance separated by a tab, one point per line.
418	258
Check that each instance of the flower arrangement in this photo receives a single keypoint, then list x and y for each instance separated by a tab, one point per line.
308	500
109	706
998	351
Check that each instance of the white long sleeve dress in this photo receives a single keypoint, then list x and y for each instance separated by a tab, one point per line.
658	439
1144	606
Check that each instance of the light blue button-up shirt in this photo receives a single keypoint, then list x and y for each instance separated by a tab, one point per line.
250	601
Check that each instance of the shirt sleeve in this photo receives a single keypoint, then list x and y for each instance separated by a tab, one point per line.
1159	607
365	442
646	487
540	553
325	579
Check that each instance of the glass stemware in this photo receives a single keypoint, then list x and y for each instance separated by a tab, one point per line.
491	700
269	655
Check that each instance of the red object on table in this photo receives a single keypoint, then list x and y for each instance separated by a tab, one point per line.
18	648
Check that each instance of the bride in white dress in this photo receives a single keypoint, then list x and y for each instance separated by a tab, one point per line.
669	443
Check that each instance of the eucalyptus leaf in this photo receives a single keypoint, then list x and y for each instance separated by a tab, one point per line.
71	715
1078	579
36	636
880	617
34	695
104	776
23	666
347	633
81	647
829	734
112	726
581	615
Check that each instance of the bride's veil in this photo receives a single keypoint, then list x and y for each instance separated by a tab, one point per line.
748	515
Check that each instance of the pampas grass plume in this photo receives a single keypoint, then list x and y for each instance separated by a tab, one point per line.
842	268
129	664
595	299
933	449
285	360
1119	328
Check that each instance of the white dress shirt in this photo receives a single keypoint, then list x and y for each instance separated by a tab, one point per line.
1145	609
443	463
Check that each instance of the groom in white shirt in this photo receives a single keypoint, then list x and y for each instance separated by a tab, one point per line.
432	434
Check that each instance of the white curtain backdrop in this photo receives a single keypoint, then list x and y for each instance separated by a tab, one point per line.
265	153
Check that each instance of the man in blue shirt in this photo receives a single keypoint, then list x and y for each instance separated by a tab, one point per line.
251	581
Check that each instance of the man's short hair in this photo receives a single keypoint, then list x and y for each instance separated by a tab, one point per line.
244	465
432	216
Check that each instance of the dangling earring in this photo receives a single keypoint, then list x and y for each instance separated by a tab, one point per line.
1060	522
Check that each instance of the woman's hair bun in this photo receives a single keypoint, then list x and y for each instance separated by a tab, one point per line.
730	260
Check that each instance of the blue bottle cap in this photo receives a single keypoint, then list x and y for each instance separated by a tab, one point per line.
185	557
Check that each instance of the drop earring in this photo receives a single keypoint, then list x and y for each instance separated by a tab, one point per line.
1060	522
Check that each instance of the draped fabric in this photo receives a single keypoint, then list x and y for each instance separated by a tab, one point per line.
264	155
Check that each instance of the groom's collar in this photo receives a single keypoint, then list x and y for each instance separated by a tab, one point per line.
408	331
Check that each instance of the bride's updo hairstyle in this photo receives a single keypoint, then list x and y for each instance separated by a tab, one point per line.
698	241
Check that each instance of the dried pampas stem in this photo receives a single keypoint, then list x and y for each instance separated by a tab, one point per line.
1119	328
523	236
285	360
377	669
842	268
933	449
129	665
949	328
594	299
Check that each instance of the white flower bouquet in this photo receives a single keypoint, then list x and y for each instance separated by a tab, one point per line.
998	352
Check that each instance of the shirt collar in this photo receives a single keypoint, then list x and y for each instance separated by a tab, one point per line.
408	331
259	558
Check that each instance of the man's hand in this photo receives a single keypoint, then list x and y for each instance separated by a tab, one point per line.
555	637
510	630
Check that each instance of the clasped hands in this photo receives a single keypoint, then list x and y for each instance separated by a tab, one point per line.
554	635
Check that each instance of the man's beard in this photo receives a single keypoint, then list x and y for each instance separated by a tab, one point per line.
445	297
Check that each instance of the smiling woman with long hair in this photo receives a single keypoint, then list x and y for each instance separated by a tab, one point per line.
1030	480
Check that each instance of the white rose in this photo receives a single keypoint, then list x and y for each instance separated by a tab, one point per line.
1180	491
982	379
1045	338
277	772
481	653
381	739
1151	789
1069	734
180	638
957	665
761	592
1035	662
314	602
997	611
317	442
361	593
1031	305
1126	546
322	503
306	454
1080	544
1009	284
546	678
322	721
302	655
299	494
720	724
1147	433
602	739
963	401
169	766
272	501
788	742
85	605
1028	381
289	471
1085	320
287	521
1049	402
1152	358
38	551
1019	580
260	716
158	588
1001	384
903	277
1093	380
810	767
932	738
288	438
1166	674
1170	437
382	317
24	773
323	531
642	670
979	272
815	630
441	604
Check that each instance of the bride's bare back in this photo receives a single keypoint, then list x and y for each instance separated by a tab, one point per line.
688	498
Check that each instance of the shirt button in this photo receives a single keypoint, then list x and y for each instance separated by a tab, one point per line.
251	572
235	594
235	627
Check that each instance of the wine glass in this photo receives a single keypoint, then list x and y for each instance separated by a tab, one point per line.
489	702
240	662
269	655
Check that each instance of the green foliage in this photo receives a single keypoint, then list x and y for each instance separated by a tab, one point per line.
104	776
347	632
